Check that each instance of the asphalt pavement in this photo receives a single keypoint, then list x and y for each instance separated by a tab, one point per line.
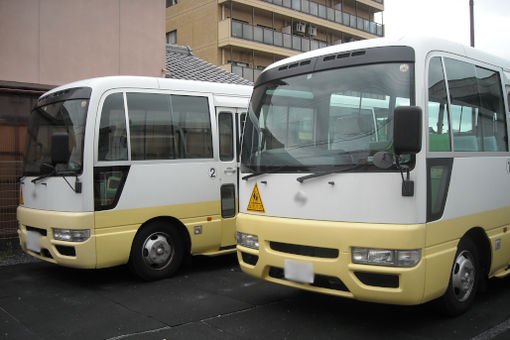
210	298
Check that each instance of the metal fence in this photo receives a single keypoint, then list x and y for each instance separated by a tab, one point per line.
10	172
272	37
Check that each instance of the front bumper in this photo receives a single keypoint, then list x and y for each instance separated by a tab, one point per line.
40	223
326	247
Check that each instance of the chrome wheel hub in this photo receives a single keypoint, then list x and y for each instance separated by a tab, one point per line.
157	251
463	276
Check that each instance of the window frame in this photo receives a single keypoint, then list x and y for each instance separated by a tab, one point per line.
475	63
212	124
230	157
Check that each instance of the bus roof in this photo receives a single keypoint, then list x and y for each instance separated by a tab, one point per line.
102	84
421	45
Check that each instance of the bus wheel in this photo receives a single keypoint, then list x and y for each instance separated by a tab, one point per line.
464	279
157	251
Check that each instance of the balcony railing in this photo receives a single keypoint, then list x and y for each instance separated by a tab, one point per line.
274	38
331	14
246	72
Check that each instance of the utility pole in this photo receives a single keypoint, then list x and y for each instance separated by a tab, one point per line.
472	22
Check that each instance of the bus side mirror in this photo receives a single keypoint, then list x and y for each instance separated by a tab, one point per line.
407	122
60	148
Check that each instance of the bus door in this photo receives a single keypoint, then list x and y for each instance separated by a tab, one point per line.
227	171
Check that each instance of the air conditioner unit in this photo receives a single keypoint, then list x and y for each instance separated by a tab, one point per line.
337	42
311	30
238	63
299	27
338	6
287	30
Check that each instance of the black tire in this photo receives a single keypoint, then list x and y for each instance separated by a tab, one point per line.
157	251
464	279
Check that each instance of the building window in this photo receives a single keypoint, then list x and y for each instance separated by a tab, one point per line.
170	3
171	37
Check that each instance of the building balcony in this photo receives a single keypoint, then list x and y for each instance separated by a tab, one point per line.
266	40
329	18
379	4
331	14
244	71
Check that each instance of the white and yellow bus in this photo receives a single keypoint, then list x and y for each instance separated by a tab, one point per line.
379	170
132	170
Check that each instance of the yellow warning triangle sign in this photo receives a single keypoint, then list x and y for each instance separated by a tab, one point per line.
255	203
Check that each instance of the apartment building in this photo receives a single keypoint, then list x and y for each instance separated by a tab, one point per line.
244	36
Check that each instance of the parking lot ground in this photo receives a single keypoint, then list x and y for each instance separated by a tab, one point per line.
211	298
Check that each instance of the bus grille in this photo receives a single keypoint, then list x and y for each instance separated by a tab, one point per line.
43	232
296	249
378	280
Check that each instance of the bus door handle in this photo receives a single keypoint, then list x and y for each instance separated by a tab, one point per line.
230	171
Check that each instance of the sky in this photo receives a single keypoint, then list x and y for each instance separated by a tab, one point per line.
449	19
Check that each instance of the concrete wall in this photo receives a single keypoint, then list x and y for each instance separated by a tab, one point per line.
58	41
196	22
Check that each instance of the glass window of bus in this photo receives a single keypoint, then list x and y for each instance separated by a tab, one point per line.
228	200
226	131
192	124
66	116
439	128
323	120
288	127
150	126
112	145
492	111
508	98
242	120
477	111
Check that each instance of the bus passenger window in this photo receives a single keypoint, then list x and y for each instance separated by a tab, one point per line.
228	201
112	145
439	129
226	132
191	119
477	111
150	126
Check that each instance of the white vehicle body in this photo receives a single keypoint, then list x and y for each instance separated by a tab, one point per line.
314	200
150	155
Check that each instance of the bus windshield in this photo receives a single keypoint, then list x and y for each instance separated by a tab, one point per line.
325	120
65	116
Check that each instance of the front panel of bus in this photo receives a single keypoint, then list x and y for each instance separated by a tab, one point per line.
325	203
56	213
312	196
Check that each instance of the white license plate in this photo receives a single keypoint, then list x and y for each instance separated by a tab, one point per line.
301	272
34	241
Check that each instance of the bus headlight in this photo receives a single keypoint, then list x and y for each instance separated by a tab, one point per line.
71	235
247	240
386	257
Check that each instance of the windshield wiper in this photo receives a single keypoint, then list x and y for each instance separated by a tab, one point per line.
259	173
255	174
62	174
54	172
46	175
360	164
